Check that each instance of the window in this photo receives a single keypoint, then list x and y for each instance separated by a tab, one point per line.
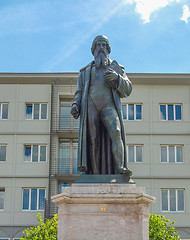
171	154
172	200
67	162
3	110
66	121
33	198
170	112
3	153
134	153
132	111
36	111
2	198
63	185
35	153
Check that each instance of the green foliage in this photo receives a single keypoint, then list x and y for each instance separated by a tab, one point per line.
44	231
161	228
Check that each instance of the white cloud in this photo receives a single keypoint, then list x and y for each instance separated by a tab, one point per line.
186	14
146	7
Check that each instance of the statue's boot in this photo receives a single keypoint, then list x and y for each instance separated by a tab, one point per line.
118	153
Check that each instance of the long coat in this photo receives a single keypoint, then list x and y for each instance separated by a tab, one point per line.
80	99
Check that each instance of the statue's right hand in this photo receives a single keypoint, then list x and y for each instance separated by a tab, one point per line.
75	111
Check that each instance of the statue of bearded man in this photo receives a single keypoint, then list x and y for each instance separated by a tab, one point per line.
101	84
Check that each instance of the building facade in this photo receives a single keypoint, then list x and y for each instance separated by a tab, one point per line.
38	144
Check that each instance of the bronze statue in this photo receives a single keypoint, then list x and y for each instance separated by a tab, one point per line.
101	84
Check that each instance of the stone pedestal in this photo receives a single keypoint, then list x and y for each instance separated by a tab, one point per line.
103	211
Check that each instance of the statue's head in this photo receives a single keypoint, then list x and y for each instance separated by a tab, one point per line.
100	50
100	39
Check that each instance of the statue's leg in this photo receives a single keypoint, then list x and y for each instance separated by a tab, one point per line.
93	137
111	122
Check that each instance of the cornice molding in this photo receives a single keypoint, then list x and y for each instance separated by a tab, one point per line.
71	78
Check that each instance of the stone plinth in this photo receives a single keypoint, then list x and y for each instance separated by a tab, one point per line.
103	211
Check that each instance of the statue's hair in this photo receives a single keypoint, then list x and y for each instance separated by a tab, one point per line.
100	38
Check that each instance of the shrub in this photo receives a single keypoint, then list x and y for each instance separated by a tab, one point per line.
44	231
161	228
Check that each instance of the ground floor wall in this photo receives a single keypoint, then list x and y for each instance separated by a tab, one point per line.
12	232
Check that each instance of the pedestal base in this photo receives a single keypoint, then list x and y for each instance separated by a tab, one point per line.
103	211
104	178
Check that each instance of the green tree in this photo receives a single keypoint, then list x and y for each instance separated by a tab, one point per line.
44	231
161	228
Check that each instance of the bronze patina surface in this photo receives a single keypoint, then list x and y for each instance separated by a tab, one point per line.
101	84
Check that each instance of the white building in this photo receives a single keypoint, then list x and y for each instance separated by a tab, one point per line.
38	144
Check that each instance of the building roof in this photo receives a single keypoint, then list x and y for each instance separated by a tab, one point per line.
71	78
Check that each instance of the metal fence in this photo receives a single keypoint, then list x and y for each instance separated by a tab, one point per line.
64	166
62	123
50	209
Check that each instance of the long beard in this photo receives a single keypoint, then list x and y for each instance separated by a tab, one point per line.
101	60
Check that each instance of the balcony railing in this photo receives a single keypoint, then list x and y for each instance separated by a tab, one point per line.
65	123
64	166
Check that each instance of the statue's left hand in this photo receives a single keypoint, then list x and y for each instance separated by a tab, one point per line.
112	77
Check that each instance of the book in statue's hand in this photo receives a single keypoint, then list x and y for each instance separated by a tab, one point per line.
116	67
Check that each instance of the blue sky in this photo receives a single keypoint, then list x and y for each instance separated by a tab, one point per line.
146	36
